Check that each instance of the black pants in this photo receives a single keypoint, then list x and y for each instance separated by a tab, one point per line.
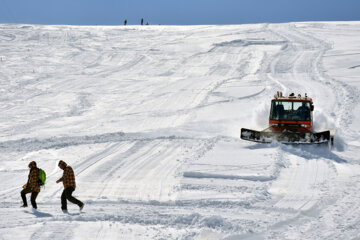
66	195
33	197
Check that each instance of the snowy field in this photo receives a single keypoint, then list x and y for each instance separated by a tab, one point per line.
149	118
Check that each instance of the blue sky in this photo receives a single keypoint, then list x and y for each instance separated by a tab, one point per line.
180	12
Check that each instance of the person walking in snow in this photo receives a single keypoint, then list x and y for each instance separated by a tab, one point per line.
32	186
142	21
68	180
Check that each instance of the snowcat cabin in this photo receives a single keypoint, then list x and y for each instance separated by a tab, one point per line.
291	113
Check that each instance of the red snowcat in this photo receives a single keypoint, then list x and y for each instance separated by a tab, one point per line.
290	121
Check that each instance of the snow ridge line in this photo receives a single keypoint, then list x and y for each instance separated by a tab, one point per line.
143	217
200	203
231	177
245	43
34	144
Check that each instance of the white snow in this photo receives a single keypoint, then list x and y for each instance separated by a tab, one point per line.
149	118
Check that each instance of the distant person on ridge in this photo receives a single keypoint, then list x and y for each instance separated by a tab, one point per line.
142	21
32	186
125	22
68	180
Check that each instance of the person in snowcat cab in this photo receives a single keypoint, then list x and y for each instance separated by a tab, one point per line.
303	111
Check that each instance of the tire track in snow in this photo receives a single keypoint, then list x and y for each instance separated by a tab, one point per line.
153	172
135	170
81	168
308	67
150	172
35	144
108	172
299	184
291	67
307	179
53	231
346	96
7	37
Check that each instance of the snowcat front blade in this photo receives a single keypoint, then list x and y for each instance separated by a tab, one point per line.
321	137
285	137
304	138
254	136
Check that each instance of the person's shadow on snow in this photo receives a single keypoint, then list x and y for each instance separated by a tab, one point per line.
39	214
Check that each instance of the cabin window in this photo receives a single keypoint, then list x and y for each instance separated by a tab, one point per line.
290	110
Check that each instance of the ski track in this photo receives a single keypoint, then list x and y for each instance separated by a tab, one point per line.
132	111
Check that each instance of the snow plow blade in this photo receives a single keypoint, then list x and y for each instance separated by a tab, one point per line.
286	137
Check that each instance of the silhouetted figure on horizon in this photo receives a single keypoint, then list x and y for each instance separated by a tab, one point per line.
142	21
125	22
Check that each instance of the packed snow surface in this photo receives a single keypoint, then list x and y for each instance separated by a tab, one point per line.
149	118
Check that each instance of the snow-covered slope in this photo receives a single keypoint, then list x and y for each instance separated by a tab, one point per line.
149	119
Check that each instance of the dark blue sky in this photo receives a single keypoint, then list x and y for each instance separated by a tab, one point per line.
180	12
